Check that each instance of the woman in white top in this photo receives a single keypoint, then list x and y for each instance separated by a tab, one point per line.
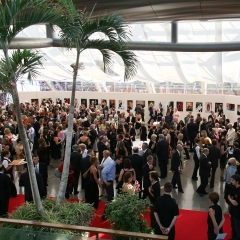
176	113
83	150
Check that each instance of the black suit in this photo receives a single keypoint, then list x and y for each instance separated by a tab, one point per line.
133	120
42	168
101	147
75	160
36	127
146	154
176	163
137	165
5	193
85	165
24	181
192	130
162	154
146	181
86	124
236	125
204	173
213	157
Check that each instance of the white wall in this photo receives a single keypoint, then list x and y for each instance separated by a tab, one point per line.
165	98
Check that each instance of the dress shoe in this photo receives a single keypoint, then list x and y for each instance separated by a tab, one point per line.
181	191
205	193
200	194
175	187
76	193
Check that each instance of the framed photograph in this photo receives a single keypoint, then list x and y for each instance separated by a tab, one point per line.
121	104
218	107
208	107
170	106
199	106
103	102
75	103
34	102
180	106
84	102
59	101
112	103
230	107
129	104
238	110
189	106
67	100
93	102
150	105
46	101
140	102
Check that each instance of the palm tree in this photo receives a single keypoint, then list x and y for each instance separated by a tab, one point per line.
16	15
117	32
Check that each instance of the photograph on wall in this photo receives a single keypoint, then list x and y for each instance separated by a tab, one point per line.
208	107
93	102
103	103
218	107
140	102
238	110
180	106
75	103
189	106
112	103
84	102
59	101
230	107
121	104
170	105
46	101
34	102
129	104
199	106
150	105
67	100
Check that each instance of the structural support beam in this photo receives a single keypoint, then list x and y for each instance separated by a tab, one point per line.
174	32
138	46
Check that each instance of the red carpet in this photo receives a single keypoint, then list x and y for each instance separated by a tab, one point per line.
190	224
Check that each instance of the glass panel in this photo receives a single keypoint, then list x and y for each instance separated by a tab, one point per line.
176	88
139	87
160	87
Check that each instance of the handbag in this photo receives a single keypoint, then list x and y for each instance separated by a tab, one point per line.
86	173
57	173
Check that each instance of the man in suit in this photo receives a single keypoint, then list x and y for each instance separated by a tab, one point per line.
162	154
5	183
203	172
176	168
196	157
75	160
24	181
236	125
137	165
87	123
145	152
36	127
101	147
42	169
147	168
213	157
106	115
131	118
192	130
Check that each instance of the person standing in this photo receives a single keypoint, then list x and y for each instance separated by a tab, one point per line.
215	217
203	172
176	168
5	184
213	157
162	155
166	213
230	135
192	128
234	210
196	157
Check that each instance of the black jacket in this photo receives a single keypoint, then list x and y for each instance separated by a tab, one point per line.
85	164
204	166
137	165
176	161
162	150
5	182
75	160
101	147
214	156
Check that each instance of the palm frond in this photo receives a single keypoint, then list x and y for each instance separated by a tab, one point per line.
108	48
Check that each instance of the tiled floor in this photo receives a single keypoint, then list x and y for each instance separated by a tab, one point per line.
187	200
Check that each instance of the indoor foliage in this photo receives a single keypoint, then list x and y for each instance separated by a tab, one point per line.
126	213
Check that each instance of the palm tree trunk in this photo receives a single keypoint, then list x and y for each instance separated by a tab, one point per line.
24	139
65	172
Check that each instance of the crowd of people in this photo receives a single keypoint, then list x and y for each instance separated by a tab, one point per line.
103	151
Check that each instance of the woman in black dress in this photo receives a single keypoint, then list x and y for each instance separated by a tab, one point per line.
56	147
46	136
223	157
93	183
42	151
215	217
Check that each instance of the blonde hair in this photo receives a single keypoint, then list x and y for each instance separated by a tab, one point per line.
106	152
7	131
207	141
82	145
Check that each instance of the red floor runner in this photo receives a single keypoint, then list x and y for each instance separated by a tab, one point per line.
190	224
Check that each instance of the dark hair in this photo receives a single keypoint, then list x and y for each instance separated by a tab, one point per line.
196	140
168	187
214	197
35	155
55	134
93	159
235	144
118	157
214	142
120	136
154	175
236	177
127	163
126	176
5	153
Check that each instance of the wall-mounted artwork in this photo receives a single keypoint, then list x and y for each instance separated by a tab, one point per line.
130	104
230	107
180	106
34	102
75	103
93	103
170	106
112	103
121	104
218	107
199	106
189	106
84	102
46	101
67	100
59	101
140	102
238	110
208	107
103	102
150	105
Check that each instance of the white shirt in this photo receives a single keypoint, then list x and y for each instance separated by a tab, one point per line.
230	136
105	161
